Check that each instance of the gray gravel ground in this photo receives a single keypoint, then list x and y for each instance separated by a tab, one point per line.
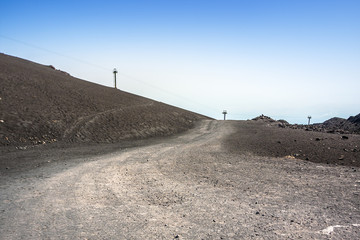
188	187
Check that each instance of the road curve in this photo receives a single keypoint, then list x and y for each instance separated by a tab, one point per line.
189	187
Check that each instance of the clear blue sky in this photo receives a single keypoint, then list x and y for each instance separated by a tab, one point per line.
286	59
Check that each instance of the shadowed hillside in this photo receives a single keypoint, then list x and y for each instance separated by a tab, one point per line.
39	104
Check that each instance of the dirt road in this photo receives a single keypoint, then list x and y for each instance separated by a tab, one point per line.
189	187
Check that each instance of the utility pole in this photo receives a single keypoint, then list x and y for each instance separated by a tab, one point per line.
309	117
115	72
224	112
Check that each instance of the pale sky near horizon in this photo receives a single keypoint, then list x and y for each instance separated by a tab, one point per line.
281	58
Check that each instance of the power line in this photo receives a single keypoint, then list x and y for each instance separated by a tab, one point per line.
166	91
56	53
106	69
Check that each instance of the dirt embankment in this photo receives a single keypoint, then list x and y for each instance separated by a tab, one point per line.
265	138
39	104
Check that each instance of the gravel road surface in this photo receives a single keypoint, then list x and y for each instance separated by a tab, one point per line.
187	187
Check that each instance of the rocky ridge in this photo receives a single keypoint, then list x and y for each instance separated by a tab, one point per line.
333	125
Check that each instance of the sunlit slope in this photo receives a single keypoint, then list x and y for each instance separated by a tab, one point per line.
40	104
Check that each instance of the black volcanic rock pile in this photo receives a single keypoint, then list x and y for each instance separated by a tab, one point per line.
341	125
264	118
333	125
355	119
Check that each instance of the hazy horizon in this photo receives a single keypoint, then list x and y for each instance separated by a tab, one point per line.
283	59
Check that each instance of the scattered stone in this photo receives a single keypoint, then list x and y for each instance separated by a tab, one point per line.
257	213
283	122
264	118
344	137
317	139
176	237
341	157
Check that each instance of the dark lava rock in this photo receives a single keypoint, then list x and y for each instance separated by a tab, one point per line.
334	122
264	118
333	125
354	119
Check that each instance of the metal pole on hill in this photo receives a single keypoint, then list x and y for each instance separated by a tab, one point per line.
115	72
224	112
309	117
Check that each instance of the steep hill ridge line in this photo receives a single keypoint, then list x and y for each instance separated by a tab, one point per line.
39	104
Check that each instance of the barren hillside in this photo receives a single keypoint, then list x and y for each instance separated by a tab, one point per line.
39	104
